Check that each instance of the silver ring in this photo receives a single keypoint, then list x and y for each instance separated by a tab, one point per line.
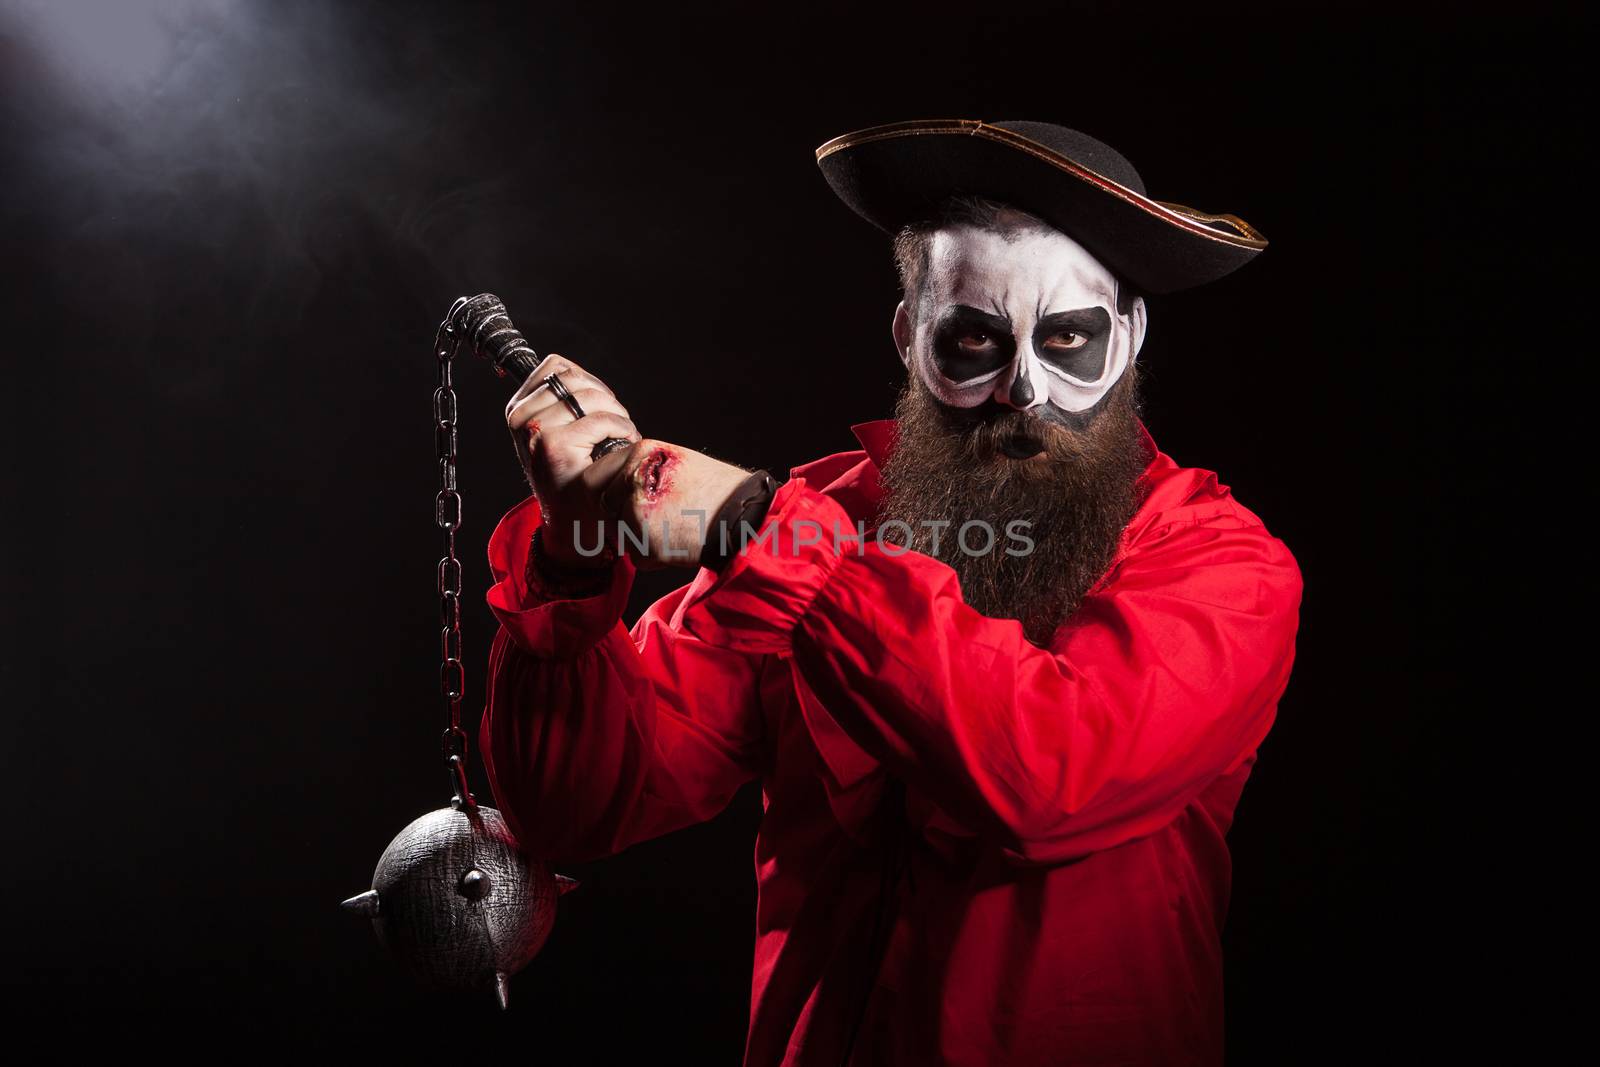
564	395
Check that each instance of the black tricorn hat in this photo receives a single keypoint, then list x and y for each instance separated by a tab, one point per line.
894	175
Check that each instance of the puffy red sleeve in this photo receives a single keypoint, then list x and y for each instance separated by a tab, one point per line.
1167	677
595	737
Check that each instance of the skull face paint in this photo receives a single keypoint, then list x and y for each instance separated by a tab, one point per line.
1028	320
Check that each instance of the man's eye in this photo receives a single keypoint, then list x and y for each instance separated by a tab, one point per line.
1067	339
975	340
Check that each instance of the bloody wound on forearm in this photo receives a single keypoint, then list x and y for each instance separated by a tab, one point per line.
655	474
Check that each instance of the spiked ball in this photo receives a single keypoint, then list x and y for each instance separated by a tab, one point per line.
457	903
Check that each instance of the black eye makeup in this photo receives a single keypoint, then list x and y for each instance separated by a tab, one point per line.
1075	342
968	342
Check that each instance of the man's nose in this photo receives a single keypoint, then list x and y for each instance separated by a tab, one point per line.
1023	385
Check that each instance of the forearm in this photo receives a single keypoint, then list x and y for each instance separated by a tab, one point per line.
569	746
1164	678
594	737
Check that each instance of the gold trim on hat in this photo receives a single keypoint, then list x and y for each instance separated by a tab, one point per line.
1185	218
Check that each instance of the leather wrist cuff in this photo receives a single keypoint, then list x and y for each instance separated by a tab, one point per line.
738	520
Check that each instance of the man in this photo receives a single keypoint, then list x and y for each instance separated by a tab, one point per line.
1002	672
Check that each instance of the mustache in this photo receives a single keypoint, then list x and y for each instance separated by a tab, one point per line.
992	435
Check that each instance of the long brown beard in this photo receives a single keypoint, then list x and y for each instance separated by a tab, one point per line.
947	464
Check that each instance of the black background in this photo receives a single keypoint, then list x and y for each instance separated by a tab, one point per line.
227	251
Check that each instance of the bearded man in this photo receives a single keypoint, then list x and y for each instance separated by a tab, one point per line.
1002	672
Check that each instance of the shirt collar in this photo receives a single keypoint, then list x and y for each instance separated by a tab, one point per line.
877	437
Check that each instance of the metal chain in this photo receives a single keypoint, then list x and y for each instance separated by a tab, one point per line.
447	515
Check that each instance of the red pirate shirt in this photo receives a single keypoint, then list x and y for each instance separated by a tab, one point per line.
1058	815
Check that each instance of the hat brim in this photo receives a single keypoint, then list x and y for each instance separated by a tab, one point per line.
893	175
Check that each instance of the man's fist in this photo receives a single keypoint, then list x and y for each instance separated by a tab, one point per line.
554	449
665	495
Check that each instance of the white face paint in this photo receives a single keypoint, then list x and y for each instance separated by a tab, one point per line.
1027	322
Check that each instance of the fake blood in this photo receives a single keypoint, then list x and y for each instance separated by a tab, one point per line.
655	474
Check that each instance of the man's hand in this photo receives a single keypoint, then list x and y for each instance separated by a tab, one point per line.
553	447
666	494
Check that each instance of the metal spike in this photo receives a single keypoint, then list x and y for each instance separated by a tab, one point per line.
565	884
502	989
363	903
